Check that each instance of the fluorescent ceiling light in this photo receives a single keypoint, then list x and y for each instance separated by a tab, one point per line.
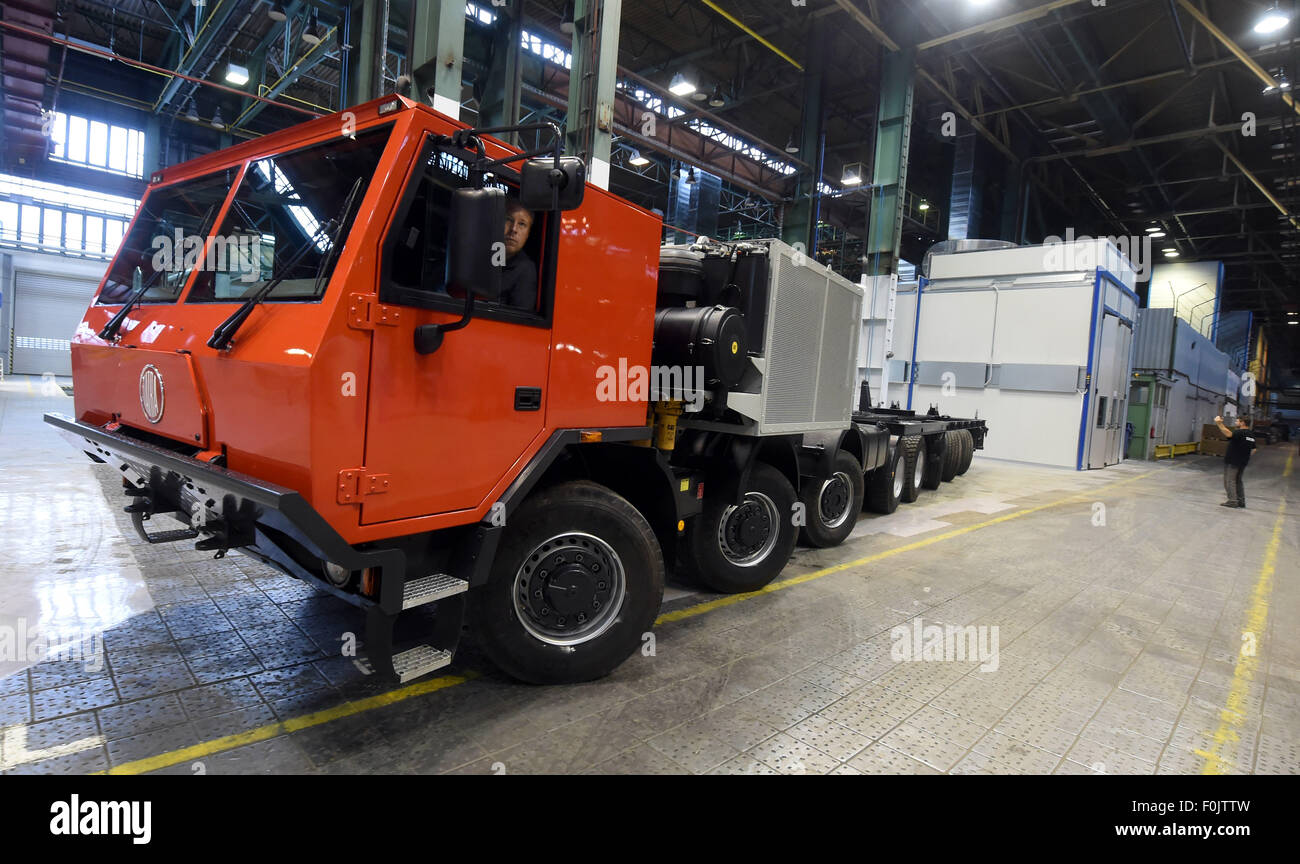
852	175
637	159
236	74
1272	21
681	85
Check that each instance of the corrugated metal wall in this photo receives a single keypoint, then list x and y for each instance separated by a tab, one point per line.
1154	336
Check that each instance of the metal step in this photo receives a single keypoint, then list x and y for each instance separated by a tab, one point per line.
427	589
173	536
420	660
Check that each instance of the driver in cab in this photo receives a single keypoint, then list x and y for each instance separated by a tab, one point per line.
519	276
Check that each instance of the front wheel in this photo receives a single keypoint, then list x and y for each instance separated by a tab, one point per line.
576	584
737	548
831	504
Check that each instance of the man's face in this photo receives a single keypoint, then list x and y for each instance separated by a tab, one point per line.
518	223
1241	424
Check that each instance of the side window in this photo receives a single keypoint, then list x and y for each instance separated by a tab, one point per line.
415	256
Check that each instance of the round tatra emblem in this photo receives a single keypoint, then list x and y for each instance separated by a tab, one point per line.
151	393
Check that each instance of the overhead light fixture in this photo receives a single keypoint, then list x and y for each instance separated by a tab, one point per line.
1157	235
278	12
681	85
1153	229
217	122
637	159
925	205
717	100
1282	84
236	74
852	174
192	115
314	32
790	145
1174	254
1272	21
566	23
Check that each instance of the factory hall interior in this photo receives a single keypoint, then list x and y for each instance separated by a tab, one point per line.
649	387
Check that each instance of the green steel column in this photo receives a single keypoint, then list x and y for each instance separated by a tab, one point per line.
800	223
437	46
501	91
361	87
591	85
889	179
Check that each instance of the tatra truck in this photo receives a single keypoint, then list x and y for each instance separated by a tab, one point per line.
302	351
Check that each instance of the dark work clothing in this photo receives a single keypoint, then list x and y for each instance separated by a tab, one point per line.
1232	484
1239	447
519	283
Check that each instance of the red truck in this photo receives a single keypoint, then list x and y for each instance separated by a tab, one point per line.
302	351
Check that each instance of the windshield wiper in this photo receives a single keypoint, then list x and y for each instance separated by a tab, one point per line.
114	324
110	330
326	261
226	330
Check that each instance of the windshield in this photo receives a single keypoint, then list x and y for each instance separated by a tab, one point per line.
280	210
166	240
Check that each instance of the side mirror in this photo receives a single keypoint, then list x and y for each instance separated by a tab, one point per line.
477	220
544	187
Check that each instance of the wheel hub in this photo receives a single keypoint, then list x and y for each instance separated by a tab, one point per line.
833	504
748	532
569	589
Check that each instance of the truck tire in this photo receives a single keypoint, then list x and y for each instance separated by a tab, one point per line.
736	549
914	452
951	455
577	582
936	457
885	484
832	504
967	450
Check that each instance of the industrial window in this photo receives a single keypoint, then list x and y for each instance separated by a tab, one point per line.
1101	412
53	218
102	146
1141	392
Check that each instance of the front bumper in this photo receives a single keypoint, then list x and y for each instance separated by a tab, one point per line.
274	524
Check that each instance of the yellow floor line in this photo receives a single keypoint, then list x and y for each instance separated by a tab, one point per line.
348	709
294	724
1233	715
709	606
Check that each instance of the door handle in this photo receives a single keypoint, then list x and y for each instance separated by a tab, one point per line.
528	398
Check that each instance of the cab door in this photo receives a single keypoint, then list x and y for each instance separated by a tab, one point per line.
444	428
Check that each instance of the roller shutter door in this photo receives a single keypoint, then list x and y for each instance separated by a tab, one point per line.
47	310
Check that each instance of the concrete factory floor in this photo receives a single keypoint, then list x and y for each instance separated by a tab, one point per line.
1140	628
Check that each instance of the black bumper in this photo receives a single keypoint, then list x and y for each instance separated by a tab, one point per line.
272	523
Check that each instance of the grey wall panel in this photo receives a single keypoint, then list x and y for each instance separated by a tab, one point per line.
936	373
1039	378
1154	336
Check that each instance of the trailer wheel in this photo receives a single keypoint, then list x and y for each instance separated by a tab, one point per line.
885	484
831	504
914	452
735	549
951	455
936	457
576	583
967	450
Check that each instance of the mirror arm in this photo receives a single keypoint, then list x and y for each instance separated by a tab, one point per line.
428	337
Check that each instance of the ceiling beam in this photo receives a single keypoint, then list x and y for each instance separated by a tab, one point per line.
996	24
869	25
1237	50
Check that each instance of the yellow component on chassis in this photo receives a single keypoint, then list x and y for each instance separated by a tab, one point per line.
665	423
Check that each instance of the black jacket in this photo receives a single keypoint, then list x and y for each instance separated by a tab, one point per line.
1240	446
519	283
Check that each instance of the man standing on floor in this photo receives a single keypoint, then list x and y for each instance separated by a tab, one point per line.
1241	443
